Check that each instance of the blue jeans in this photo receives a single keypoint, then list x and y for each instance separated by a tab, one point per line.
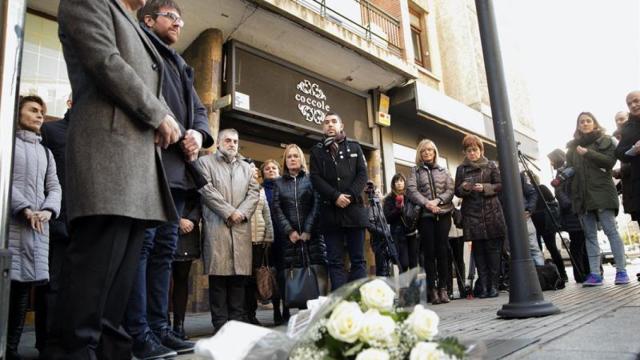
335	240
607	219
148	306
534	249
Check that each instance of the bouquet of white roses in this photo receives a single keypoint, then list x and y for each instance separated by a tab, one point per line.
363	323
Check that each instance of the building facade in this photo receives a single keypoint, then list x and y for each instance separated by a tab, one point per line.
396	70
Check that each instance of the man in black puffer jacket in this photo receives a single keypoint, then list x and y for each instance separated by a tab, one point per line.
339	175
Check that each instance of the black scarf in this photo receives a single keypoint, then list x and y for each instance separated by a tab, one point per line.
588	139
333	142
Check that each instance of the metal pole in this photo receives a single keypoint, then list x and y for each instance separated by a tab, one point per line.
525	295
12	15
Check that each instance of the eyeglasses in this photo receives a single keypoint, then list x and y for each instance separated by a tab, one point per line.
176	19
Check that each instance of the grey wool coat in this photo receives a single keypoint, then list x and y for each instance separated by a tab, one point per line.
35	186
230	187
113	165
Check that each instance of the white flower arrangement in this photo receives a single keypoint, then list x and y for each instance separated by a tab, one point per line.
363	323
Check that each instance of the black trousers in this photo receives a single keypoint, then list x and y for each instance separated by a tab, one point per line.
45	296
227	299
180	295
457	249
550	243
97	276
18	304
486	254
259	251
578	250
434	236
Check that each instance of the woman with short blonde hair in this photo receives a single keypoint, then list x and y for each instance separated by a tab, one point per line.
431	186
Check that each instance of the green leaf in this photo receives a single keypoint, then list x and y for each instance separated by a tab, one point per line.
452	346
354	350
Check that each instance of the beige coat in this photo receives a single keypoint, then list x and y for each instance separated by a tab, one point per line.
261	223
230	187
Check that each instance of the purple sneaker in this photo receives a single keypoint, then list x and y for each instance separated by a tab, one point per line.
593	280
621	278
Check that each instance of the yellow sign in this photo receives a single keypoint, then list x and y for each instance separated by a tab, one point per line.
384	104
383	119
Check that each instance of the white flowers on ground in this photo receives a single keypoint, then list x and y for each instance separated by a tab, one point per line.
345	322
376	294
376	328
423	322
373	354
427	351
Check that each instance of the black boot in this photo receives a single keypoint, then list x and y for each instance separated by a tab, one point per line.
494	273
277	315
18	303
178	329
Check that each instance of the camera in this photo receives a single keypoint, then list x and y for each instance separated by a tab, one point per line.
563	175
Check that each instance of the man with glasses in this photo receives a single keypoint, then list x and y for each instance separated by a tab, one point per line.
146	319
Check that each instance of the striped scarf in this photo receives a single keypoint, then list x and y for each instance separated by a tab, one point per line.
333	142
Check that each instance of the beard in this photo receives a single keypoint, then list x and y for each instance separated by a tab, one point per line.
229	154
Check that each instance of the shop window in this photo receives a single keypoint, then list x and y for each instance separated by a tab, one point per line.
44	71
419	38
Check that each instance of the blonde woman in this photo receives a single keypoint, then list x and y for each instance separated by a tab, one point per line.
431	186
296	210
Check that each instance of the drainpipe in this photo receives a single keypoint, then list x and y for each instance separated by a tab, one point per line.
12	14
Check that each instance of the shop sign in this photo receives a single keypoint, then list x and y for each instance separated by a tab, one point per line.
283	92
311	101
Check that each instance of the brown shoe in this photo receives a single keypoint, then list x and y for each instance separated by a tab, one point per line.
444	297
433	294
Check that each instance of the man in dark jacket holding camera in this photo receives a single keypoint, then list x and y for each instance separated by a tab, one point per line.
339	175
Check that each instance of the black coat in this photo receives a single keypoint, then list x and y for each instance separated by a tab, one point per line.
482	216
346	175
54	137
630	134
541	218
392	213
569	221
184	101
295	206
189	244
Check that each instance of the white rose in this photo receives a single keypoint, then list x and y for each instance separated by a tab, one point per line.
345	322
373	354
376	294
423	322
427	351
376	327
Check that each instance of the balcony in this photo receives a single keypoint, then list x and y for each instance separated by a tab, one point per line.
362	18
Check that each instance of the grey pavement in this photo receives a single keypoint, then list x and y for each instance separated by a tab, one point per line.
594	323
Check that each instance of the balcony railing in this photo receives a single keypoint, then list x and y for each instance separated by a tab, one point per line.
363	18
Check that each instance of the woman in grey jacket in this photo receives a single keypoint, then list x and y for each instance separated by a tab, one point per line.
35	198
430	186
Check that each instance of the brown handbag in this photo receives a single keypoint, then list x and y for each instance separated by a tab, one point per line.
266	287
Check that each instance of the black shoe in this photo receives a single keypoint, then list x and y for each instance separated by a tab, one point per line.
170	340
493	292
253	320
13	355
277	318
178	330
150	349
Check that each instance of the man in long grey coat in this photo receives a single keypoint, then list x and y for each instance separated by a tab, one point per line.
230	198
114	169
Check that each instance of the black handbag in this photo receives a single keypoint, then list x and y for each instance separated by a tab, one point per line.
301	283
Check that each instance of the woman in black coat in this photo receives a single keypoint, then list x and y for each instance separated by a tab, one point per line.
296	211
392	206
478	184
187	250
545	227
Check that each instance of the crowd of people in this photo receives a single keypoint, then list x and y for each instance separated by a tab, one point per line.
112	204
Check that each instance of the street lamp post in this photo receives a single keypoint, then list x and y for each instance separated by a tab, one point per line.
525	294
